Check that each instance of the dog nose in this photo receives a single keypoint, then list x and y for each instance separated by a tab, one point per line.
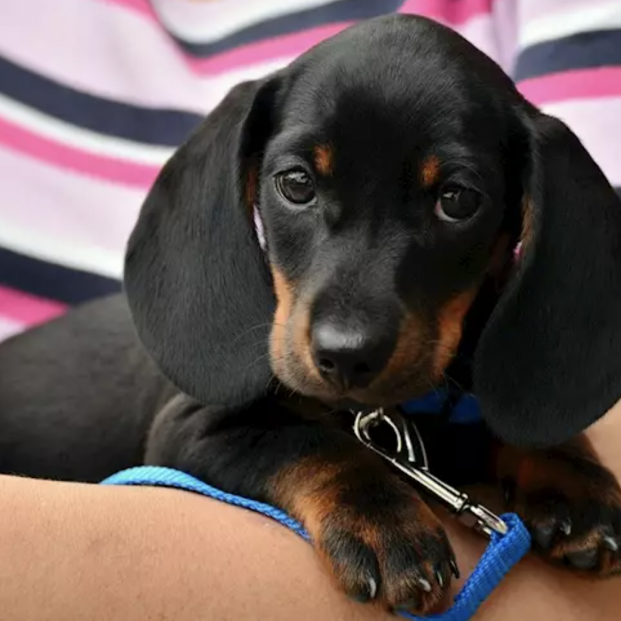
348	357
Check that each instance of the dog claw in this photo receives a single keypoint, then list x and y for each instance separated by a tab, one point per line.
424	585
610	543
372	588
454	568
565	527
440	578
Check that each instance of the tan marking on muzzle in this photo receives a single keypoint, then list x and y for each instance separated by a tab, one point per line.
290	319
284	303
406	352
450	328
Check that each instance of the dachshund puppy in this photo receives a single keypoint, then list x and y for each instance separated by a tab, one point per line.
341	235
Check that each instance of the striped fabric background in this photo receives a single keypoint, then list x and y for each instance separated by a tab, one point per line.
96	94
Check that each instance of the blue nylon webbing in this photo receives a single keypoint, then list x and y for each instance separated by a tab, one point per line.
501	554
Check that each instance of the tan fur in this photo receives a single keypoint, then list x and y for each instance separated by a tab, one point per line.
324	156
430	171
450	328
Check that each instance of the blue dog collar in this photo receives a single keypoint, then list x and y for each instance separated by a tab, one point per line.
464	411
501	554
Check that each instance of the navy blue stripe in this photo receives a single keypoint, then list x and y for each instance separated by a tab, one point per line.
586	50
156	126
51	281
338	11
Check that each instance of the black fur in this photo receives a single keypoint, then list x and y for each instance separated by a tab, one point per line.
198	386
557	329
198	284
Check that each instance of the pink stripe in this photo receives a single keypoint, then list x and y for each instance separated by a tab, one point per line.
449	12
286	46
577	84
120	171
27	309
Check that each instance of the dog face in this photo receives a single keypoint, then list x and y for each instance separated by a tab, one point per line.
393	169
383	196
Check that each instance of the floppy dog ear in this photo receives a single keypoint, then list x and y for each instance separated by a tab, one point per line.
548	363
196	280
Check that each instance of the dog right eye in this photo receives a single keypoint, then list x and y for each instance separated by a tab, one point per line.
296	187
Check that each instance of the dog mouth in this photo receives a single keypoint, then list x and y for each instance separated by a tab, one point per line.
388	394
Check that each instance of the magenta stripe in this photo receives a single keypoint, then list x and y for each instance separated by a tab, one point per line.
120	171
27	309
449	12
578	84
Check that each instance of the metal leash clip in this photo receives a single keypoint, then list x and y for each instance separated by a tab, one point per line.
409	456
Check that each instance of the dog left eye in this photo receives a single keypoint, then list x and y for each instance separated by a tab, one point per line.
296	187
457	204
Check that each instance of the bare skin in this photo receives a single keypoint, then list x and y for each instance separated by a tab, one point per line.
73	552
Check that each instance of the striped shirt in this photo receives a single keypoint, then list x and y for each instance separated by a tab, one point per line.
96	94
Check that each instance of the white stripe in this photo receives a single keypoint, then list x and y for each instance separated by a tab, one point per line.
205	22
8	327
566	22
65	218
67	252
78	137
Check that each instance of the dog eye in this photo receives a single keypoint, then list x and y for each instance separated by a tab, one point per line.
456	204
296	187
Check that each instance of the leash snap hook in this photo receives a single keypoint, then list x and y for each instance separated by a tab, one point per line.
409	457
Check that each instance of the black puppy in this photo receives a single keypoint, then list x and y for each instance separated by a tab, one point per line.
392	170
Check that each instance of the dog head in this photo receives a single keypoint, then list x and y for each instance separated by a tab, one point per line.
333	225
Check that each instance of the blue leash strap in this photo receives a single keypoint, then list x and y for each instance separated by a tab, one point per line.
501	554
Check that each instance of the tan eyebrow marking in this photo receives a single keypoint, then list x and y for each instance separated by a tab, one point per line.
324	156
430	171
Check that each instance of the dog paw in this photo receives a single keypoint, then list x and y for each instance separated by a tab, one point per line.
392	550
573	511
